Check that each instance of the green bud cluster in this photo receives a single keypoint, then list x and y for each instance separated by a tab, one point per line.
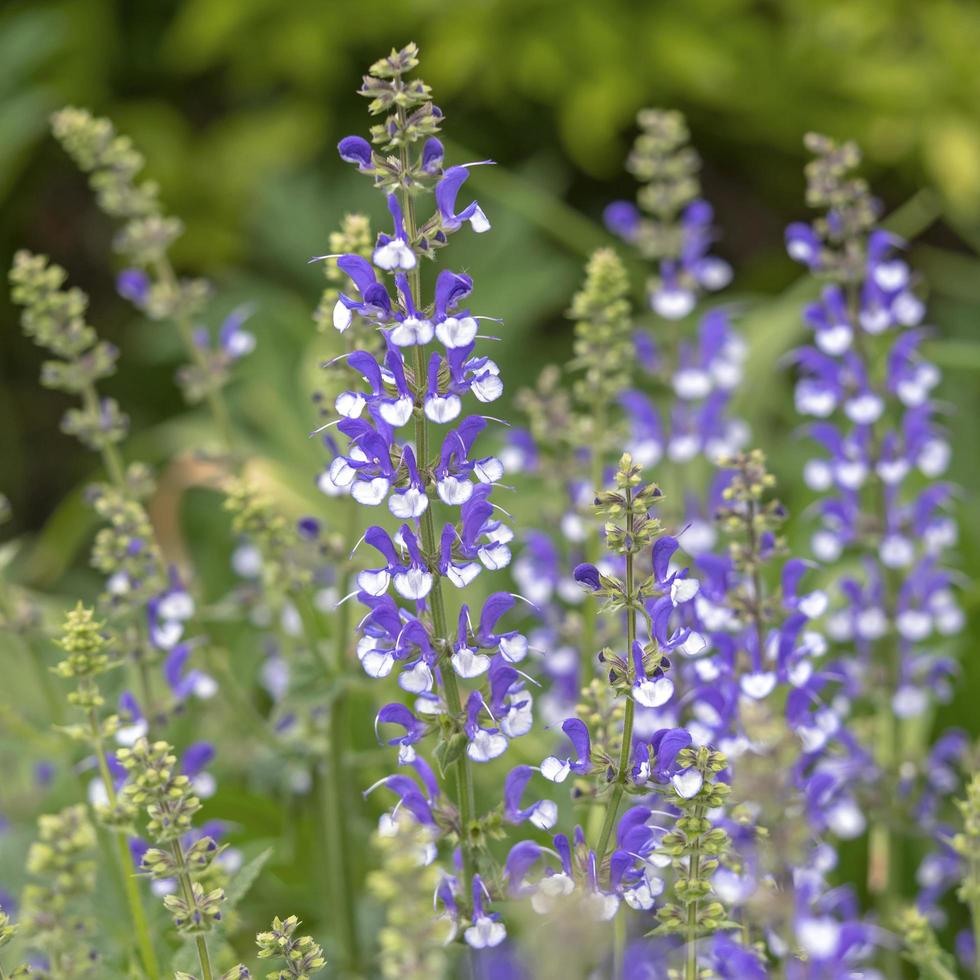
667	167
696	847
146	235
62	863
603	347
352	238
966	843
126	545
54	318
113	164
922	947
407	105
8	930
851	210
154	783
629	525
301	957
747	514
410	941
84	641
287	558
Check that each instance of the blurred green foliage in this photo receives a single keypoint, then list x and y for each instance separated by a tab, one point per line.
238	107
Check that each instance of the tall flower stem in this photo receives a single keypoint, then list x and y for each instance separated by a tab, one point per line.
134	900
465	793
333	794
693	875
622	770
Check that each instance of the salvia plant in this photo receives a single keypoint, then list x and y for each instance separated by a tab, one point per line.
645	735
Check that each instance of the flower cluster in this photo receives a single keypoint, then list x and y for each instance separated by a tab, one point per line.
673	227
301	956
869	391
144	240
408	385
55	915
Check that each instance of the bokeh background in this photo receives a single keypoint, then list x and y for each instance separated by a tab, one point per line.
239	105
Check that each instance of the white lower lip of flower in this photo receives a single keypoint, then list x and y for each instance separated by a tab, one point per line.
683	590
205	686
646	453
396	413
672	304
707	669
377	663
453	332
896	552
814	604
826	546
167	634
653	693
603	906
818	475
395	254
118	583
462	575
453	491
758	686
683	448
341	473
851	474
485	746
876	320
691	384
693	645
891	276
815	401
892	471
131	734
865	409
370	492
485	933
487	388
834	340
408	503
934	458
914	624
514	648
687	784
640	897
555	769
479	221
909	702
544	815
908	309
714	273
468	663
494	556
177	605
410	332
417	679
413	584
350	404
342	317
489	470
872	624
374	581
517	722
442	408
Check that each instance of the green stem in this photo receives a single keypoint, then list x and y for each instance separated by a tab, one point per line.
590	613
693	875
622	771
186	886
134	899
975	908
334	785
